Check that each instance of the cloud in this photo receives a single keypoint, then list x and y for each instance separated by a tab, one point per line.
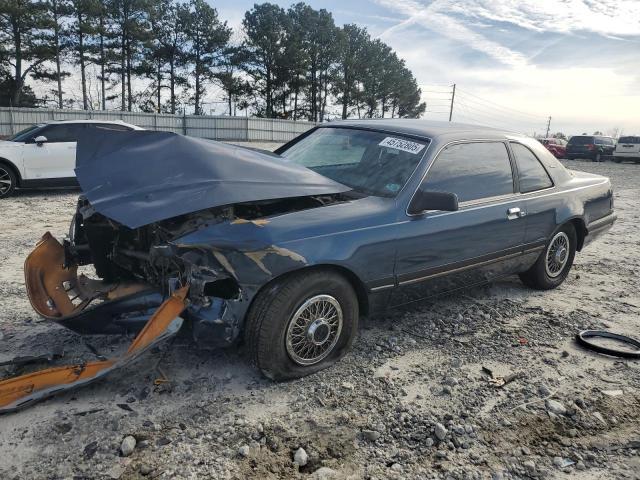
571	59
435	17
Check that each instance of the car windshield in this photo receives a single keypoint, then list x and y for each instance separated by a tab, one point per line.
581	140
24	134
373	163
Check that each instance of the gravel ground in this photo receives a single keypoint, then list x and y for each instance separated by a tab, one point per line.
410	401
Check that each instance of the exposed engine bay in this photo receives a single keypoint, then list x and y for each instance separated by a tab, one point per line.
148	254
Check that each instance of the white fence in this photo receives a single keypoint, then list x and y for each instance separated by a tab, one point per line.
247	129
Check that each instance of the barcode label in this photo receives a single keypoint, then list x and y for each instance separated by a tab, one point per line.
400	144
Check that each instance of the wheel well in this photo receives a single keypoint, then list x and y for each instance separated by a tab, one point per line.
581	232
354	280
13	168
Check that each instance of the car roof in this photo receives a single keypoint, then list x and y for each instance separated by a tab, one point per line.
425	128
116	122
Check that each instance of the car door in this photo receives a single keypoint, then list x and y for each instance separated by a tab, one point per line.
533	183
55	158
441	251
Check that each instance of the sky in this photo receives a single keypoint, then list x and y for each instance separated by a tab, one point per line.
514	62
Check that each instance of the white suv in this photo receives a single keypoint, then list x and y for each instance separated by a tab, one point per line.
628	148
44	155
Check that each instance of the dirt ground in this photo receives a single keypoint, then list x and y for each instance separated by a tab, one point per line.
410	401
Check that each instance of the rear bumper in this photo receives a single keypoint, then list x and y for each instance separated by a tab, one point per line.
627	156
599	227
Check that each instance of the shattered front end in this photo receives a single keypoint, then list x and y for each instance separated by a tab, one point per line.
168	230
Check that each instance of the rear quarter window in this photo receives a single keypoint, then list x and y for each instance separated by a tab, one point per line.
531	174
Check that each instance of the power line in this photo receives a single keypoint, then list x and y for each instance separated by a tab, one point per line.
510	117
495	105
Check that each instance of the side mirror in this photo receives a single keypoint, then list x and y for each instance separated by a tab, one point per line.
40	139
428	200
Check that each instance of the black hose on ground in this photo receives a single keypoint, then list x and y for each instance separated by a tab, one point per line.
583	338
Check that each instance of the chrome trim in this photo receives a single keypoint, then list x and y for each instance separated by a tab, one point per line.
516	196
533	249
461	269
382	287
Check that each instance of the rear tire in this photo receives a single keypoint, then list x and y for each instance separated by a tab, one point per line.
8	181
301	324
555	261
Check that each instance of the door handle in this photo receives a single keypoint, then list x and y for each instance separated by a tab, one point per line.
514	213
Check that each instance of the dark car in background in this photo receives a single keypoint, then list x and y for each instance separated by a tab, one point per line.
628	148
596	148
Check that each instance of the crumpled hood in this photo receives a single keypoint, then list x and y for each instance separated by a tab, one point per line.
141	177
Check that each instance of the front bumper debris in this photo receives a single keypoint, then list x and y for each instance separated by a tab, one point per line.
49	286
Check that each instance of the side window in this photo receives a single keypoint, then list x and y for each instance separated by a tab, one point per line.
63	132
472	171
531	173
599	141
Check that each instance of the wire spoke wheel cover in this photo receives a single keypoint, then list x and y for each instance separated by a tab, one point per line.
314	330
557	254
5	181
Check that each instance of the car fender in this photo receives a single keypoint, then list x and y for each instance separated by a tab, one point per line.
19	172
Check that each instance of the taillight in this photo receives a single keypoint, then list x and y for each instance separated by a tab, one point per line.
590	146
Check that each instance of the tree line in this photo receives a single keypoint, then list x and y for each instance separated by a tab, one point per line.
164	55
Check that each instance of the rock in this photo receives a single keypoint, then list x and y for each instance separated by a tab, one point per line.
301	457
324	473
244	450
543	391
451	381
145	469
90	449
440	431
613	393
63	427
116	471
556	407
529	465
558	462
600	418
429	442
580	466
347	386
396	467
573	432
128	445
371	435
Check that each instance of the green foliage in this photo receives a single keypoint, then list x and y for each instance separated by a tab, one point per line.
164	55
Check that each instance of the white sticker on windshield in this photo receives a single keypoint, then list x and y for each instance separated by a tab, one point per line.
400	144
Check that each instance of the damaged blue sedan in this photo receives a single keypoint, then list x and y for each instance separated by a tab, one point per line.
286	251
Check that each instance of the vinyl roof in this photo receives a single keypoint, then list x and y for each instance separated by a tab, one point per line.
423	128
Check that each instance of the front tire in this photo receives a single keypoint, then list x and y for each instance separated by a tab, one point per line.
8	181
555	261
301	324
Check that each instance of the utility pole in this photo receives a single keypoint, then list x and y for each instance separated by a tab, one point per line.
453	96
548	127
